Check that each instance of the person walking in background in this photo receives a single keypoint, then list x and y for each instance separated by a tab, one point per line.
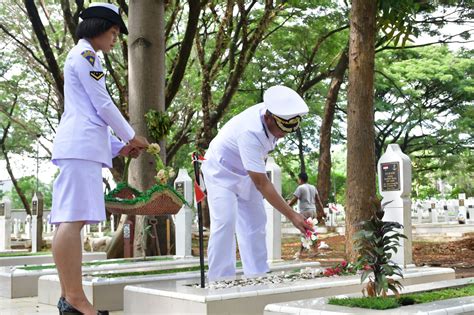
84	145
308	196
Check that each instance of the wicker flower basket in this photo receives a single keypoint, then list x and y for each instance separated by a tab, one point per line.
158	200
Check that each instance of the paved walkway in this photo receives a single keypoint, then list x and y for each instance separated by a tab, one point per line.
28	306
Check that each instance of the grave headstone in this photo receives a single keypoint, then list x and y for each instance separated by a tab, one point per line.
36	218
273	227
16	228
394	175
48	226
462	215
434	213
28	227
184	218
112	223
5	224
128	239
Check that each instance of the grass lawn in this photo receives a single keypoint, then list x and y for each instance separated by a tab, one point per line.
380	303
97	263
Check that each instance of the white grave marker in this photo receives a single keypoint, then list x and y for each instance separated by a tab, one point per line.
273	228
5	224
184	219
394	177
462	213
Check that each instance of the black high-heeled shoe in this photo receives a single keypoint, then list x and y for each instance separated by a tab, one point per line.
68	309
60	304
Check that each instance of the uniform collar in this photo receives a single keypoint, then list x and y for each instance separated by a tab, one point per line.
85	43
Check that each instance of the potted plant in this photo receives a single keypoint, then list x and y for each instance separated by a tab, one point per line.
376	243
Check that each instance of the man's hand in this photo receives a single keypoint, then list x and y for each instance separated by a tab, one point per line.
268	191
299	222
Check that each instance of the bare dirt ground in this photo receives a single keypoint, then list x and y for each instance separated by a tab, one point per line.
457	254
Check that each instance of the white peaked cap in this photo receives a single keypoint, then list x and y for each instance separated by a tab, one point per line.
110	6
284	102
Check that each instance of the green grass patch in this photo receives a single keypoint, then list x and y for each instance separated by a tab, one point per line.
22	254
379	303
154	272
98	263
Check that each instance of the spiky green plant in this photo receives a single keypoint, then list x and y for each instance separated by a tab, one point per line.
376	242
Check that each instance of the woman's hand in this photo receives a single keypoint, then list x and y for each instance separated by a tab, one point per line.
129	151
139	143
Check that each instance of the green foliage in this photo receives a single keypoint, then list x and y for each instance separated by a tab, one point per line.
379	303
158	124
375	242
424	103
28	186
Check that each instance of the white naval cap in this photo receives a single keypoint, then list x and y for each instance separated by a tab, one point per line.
105	11
286	106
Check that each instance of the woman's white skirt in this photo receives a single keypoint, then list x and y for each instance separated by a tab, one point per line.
78	192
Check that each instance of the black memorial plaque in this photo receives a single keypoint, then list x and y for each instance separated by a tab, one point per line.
180	188
390	176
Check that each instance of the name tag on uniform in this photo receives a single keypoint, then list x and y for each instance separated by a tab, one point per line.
97	75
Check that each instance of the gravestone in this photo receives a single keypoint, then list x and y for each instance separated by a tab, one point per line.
273	227
434	212
112	224
16	229
184	218
27	227
36	220
394	175
462	213
5	224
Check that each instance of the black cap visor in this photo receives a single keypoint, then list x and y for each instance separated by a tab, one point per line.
106	14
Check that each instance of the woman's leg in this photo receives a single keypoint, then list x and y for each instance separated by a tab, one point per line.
67	253
63	290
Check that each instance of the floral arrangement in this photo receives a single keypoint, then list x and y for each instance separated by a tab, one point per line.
308	239
163	173
342	269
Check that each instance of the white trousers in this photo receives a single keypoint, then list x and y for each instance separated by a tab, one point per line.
230	216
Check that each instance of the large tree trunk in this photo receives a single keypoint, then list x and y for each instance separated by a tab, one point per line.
20	193
360	120
299	136
324	165
42	37
147	91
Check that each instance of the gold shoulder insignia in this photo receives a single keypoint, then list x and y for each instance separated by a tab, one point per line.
89	55
97	75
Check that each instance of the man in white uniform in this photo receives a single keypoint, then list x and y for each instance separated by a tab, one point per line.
236	182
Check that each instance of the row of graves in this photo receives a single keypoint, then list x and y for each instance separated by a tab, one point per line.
174	284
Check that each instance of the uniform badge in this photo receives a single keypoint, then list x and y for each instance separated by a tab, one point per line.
97	75
89	55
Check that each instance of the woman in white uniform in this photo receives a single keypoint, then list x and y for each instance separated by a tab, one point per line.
84	145
236	182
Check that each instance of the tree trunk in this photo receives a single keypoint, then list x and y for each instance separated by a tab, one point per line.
360	120
40	33
20	193
147	91
324	164
299	136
